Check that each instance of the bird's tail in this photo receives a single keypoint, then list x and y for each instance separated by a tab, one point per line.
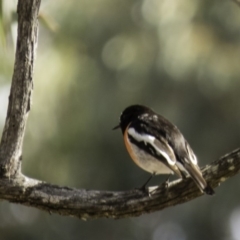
196	175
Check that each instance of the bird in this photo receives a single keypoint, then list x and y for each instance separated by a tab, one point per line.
158	147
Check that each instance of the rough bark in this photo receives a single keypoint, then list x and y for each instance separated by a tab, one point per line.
91	204
21	88
81	203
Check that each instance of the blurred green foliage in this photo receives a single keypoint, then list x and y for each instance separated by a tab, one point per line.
95	58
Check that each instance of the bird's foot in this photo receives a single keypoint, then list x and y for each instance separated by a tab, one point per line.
165	184
142	189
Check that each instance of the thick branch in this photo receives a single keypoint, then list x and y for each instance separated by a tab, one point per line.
21	88
89	204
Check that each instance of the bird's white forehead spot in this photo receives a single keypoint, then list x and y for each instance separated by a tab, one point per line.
150	140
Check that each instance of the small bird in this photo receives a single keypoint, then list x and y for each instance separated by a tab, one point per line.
158	147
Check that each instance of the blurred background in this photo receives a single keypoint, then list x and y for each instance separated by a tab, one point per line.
181	58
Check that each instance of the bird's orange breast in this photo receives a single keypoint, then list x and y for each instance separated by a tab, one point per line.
129	148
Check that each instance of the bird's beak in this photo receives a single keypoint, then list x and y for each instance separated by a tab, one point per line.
118	126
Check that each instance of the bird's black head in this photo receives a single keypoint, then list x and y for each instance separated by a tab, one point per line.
130	114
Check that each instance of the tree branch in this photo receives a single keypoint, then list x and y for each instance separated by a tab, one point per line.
90	204
81	203
21	89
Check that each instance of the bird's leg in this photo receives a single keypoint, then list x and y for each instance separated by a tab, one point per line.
166	182
143	188
163	186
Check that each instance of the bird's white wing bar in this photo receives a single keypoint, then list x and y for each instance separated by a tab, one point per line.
164	149
191	154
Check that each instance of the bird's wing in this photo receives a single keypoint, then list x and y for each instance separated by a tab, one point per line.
159	148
